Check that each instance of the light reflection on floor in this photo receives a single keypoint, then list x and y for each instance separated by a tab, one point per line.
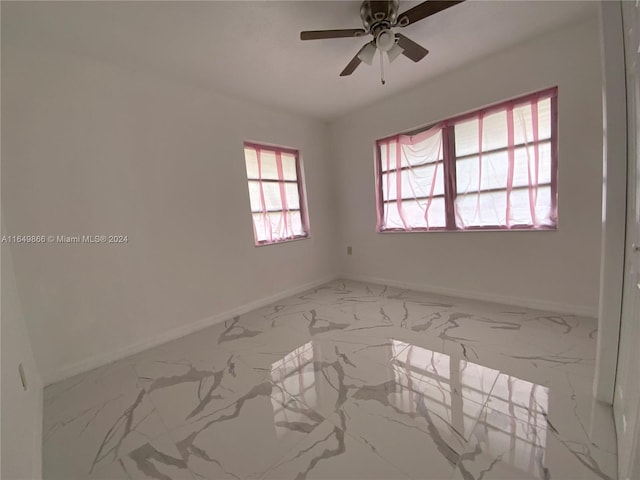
515	420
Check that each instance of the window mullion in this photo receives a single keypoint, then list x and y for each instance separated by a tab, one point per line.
450	188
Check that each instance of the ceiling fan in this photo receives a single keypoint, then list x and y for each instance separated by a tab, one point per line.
379	17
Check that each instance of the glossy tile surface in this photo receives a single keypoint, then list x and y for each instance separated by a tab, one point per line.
346	381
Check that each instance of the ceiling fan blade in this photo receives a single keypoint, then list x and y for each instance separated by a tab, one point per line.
322	34
424	10
355	61
410	48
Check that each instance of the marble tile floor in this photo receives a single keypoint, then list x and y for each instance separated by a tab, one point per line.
346	381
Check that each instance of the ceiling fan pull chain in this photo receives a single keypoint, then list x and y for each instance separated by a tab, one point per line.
381	69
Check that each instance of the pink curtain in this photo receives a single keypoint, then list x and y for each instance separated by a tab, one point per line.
509	182
410	186
267	232
275	194
495	168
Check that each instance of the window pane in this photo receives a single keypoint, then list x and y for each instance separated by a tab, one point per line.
483	209
490	173
272	198
521	200
543	202
414	214
495	168
544	118
295	220
261	226
525	165
272	195
276	222
523	122
426	151
289	167
293	199
267	164
490	208
420	153
251	162
415	182
494	132
466	134
254	196
495	129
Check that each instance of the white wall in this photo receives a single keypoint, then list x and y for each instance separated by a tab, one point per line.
557	269
89	148
21	415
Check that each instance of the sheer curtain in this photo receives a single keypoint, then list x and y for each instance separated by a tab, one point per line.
505	172
495	168
275	193
411	181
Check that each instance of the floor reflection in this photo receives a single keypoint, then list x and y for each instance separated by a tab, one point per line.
506	414
513	419
295	374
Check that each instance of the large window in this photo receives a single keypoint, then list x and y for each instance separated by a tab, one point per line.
276	193
495	168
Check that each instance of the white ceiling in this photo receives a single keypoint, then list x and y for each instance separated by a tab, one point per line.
252	49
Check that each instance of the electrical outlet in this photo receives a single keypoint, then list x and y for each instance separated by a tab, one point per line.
349	250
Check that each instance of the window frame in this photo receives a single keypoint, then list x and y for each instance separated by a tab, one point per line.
449	162
304	219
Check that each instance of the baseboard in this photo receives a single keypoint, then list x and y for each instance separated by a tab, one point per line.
175	333
104	359
487	297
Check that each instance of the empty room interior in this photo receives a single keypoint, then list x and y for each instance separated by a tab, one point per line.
326	240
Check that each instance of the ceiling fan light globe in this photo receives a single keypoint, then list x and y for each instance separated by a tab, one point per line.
367	54
385	40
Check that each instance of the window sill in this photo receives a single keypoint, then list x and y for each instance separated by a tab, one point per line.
286	240
488	229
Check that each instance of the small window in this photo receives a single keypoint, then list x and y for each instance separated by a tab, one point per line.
495	168
276	193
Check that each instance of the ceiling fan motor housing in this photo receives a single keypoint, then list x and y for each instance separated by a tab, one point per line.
378	13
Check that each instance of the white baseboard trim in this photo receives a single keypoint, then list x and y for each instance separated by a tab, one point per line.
487	297
96	361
